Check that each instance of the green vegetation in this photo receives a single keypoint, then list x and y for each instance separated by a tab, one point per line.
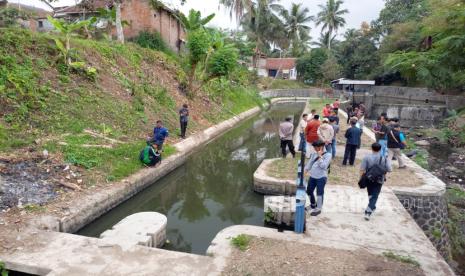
42	101
270	83
456	203
421	158
241	241
153	41
402	259
453	130
269	215
33	208
3	270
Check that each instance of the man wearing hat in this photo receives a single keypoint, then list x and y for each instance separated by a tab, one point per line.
317	169
286	130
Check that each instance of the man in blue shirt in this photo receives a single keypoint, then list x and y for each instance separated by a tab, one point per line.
159	134
353	135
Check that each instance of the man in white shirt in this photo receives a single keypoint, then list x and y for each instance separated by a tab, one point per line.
286	129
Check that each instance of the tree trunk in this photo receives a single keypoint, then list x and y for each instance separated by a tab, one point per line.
190	91
68	48
119	25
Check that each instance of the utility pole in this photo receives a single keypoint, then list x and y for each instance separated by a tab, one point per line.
300	195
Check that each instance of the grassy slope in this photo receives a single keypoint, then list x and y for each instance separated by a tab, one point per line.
43	106
271	83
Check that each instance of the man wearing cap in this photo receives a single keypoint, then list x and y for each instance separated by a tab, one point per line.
317	169
326	134
286	129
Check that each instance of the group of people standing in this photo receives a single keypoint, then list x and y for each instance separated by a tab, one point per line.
151	154
318	137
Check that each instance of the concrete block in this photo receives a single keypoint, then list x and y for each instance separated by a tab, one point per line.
264	184
146	229
282	209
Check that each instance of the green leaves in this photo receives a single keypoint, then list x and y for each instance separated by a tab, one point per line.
194	20
223	61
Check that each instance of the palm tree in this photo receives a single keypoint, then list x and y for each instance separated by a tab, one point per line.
237	7
263	25
301	46
296	20
325	40
331	17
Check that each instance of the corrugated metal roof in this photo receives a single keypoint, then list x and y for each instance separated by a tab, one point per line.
356	82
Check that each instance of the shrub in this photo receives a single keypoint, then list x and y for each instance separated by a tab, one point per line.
153	41
241	241
223	61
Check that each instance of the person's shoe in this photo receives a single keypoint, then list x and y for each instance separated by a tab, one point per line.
367	216
315	213
394	159
344	164
313	206
403	167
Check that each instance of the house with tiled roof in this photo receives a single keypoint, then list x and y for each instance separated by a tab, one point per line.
281	68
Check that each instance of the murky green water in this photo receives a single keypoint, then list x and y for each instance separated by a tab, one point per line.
213	189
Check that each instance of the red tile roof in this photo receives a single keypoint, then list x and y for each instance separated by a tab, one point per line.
280	63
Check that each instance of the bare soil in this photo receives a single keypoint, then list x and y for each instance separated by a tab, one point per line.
273	257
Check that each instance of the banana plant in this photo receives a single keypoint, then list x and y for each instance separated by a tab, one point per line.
66	29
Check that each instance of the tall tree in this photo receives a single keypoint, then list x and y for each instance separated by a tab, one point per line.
264	27
295	21
237	7
331	18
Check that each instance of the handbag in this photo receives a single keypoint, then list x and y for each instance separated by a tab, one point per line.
363	182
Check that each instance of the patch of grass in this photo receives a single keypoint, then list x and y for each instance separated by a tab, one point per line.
3	270
421	158
269	215
402	259
284	168
241	242
271	83
33	208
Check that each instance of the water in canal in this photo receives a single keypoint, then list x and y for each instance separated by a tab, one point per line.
213	189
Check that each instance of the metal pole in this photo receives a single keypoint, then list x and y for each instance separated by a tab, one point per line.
300	197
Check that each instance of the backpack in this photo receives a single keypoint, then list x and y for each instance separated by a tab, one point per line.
375	174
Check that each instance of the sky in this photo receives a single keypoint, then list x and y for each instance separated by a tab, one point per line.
359	10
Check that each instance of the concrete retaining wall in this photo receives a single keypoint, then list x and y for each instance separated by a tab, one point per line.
417	115
306	93
430	213
267	185
414	106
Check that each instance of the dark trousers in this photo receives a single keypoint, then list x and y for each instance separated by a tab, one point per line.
319	185
183	128
287	143
349	154
373	192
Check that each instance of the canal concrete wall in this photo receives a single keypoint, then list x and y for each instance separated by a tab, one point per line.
302	93
96	204
266	184
145	228
414	106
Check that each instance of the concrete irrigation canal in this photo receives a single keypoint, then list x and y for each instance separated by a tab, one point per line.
212	190
200	206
